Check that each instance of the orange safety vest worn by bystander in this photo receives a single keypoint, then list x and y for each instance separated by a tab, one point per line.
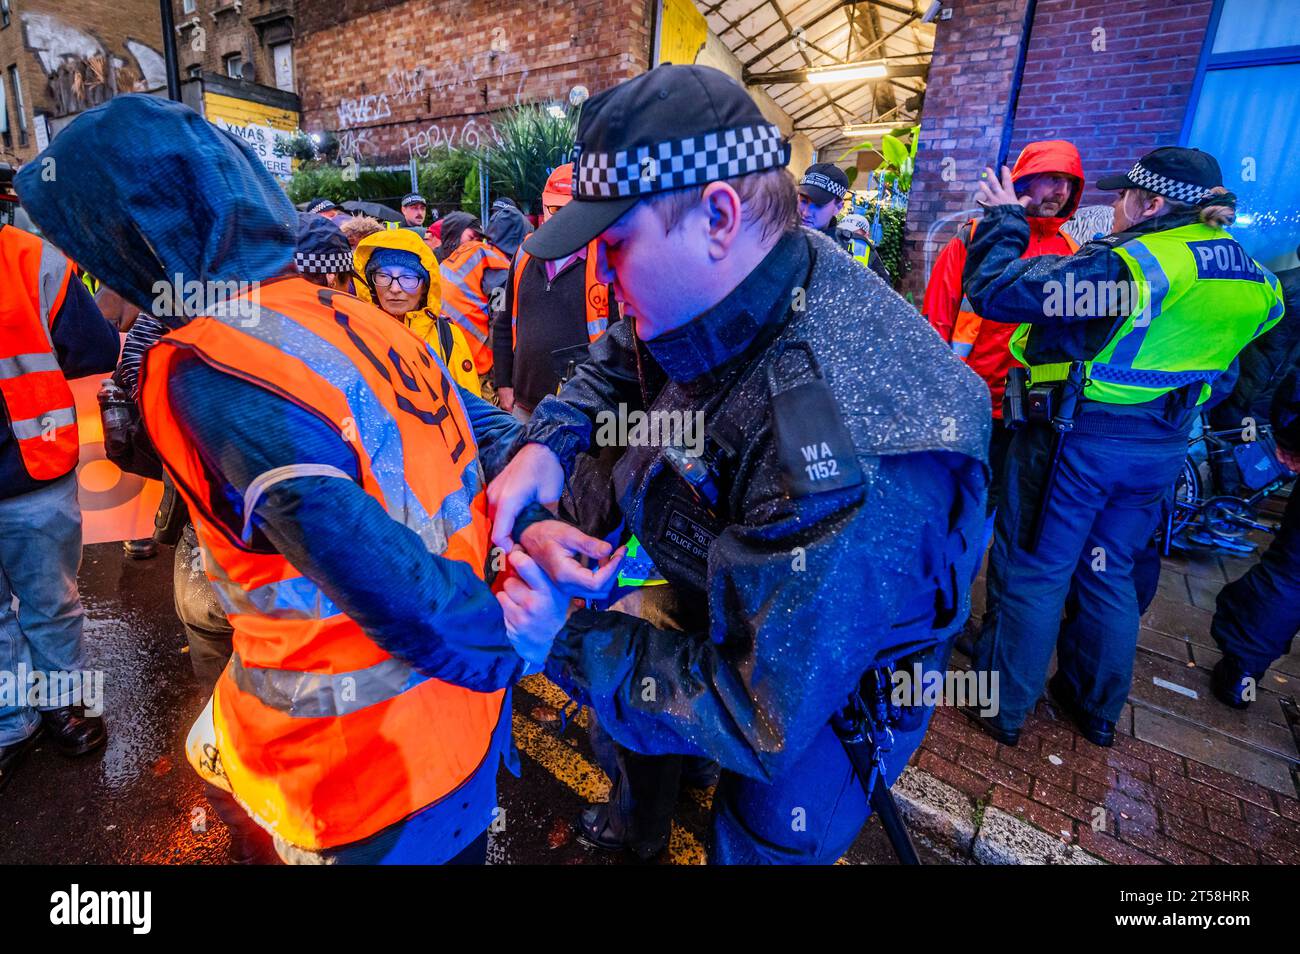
597	297
464	299
325	737
36	395
968	325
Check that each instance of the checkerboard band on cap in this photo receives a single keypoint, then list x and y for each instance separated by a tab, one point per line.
1170	188
323	263
826	183
677	163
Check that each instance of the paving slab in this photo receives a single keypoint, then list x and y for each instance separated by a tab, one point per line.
1213	749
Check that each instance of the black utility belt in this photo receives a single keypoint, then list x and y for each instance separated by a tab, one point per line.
1055	403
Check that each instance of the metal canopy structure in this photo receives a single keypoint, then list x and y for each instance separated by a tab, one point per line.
776	40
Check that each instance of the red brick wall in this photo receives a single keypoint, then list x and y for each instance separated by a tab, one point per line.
1114	104
961	125
403	78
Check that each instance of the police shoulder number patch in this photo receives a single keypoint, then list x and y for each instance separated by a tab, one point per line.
813	444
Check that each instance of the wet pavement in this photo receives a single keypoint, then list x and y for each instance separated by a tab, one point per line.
138	801
1188	781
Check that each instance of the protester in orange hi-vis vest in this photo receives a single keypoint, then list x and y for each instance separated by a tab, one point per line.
470	274
334	474
50	331
1049	180
564	308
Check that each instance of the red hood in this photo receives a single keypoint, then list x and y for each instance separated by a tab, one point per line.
1051	155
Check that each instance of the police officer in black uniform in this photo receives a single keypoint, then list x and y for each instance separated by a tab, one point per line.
826	521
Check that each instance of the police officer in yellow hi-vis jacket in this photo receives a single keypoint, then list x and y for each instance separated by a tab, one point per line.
1121	342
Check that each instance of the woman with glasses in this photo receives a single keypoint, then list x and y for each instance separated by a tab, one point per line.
396	270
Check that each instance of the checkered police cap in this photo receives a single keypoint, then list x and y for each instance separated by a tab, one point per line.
1180	173
1188	192
819	181
323	263
678	163
673	127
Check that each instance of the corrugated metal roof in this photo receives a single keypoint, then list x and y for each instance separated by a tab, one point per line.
776	35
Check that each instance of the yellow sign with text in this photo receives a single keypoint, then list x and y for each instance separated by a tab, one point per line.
261	127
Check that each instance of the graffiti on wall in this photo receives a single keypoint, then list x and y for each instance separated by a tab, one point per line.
80	71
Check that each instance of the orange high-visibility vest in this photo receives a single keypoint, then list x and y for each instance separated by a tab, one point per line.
463	298
967	326
597	297
37	399
325	737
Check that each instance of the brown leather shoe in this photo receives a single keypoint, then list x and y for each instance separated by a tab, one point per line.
72	731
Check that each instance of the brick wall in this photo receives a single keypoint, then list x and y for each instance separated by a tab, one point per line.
961	125
43	34
400	79
230	30
1114	103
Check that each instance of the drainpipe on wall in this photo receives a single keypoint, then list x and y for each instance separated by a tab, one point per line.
169	51
1017	75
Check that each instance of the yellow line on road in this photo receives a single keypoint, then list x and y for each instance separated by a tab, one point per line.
584	779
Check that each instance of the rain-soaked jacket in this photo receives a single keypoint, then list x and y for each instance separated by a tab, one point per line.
445	338
983	344
123	165
791	591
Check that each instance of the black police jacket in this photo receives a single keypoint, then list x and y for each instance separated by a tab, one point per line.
837	523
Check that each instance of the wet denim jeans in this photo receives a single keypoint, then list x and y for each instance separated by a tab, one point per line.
40	553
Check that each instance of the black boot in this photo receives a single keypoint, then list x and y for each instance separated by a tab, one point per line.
74	732
595	829
13	753
1229	683
1008	737
144	549
1098	731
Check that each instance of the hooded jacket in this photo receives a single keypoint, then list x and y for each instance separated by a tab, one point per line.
507	230
172	194
989	355
426	321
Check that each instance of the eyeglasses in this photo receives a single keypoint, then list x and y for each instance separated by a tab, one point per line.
406	281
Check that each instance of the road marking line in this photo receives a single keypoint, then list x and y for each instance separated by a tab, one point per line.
588	782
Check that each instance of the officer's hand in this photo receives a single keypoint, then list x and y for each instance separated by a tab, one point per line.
1289	460
534	610
507	398
533	476
558	548
994	191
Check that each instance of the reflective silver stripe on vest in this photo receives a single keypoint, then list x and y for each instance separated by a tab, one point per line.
53	267
268	479
21	364
324	695
33	427
376	428
294	598
464	322
457	278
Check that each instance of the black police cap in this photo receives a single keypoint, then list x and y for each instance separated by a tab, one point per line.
1175	172
669	128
